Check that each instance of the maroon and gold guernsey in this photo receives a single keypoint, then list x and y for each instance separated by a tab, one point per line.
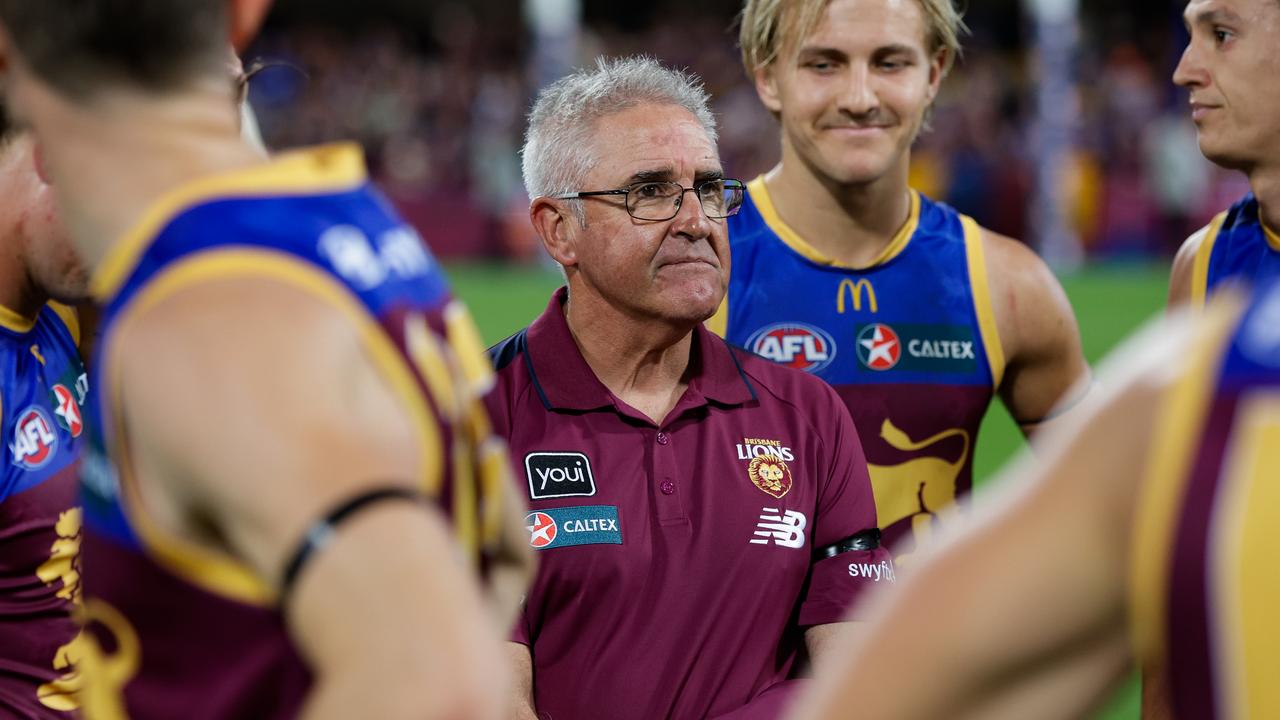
179	631
1208	527
42	386
678	563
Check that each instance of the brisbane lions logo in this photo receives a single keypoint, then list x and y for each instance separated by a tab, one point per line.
770	474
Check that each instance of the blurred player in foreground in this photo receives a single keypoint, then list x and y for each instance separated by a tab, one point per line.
1150	517
283	378
42	390
1230	68
915	314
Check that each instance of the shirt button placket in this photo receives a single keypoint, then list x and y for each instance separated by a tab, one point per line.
670	508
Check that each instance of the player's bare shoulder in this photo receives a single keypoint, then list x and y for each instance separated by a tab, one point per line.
1182	276
1032	312
285	372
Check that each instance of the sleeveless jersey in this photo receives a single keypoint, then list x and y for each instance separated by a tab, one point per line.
42	388
1236	245
909	343
1205	585
184	631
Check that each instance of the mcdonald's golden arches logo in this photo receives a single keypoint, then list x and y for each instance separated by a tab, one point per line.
856	289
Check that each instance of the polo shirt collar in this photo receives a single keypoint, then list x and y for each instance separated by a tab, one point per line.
565	381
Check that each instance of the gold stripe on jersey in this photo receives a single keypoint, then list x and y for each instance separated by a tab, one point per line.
981	289
1200	268
207	568
70	318
11	320
1243	549
764	203
464	338
1179	423
325	169
1273	238
718	323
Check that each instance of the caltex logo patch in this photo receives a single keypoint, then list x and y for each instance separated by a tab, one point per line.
879	347
68	410
795	345
542	529
34	439
569	526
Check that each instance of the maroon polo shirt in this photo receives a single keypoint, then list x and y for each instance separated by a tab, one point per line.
677	568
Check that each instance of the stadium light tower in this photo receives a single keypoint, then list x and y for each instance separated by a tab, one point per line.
1057	112
555	27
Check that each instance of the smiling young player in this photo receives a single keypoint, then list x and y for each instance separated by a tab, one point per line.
914	313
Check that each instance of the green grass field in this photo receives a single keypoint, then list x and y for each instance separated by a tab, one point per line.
1110	302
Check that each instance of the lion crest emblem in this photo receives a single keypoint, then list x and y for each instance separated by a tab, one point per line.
770	474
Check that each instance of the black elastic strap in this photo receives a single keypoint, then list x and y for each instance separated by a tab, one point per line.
865	540
321	531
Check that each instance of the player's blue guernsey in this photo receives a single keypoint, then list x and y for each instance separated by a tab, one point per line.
1236	245
1205	585
909	342
181	630
42	388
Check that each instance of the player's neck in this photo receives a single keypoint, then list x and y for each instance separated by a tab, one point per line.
20	294
851	224
642	361
113	162
1265	183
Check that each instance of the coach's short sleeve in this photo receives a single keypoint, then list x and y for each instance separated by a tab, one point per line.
846	507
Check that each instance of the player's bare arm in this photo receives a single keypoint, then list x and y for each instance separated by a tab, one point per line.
521	663
821	640
293	421
1184	262
1045	370
1056	547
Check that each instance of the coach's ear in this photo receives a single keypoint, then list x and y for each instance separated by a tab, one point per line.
767	89
246	17
557	227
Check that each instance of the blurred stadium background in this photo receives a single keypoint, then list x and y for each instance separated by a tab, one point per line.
1060	126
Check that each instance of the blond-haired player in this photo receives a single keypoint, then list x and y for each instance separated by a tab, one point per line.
915	314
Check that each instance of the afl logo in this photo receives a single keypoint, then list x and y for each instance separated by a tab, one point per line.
794	345
879	347
34	439
542	529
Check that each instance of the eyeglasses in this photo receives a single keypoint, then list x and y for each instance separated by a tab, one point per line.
720	198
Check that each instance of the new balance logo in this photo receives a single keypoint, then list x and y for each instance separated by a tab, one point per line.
780	528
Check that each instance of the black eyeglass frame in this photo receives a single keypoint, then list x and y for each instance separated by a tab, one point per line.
729	183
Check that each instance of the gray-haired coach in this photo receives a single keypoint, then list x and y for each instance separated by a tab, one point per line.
700	513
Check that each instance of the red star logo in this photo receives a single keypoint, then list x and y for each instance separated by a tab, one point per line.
68	410
879	346
542	529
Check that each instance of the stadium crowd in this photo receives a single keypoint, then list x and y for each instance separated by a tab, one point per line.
441	113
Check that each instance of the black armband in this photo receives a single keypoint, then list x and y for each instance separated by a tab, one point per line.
321	531
865	540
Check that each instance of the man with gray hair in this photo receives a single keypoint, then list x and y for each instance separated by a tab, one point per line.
703	516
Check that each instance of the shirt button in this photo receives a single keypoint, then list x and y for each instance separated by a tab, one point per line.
663	438
667	487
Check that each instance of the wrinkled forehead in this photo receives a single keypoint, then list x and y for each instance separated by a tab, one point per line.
653	142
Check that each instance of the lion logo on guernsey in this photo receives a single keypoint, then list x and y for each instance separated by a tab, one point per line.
34	439
542	529
795	345
879	347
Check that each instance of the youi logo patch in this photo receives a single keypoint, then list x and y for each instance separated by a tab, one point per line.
559	474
